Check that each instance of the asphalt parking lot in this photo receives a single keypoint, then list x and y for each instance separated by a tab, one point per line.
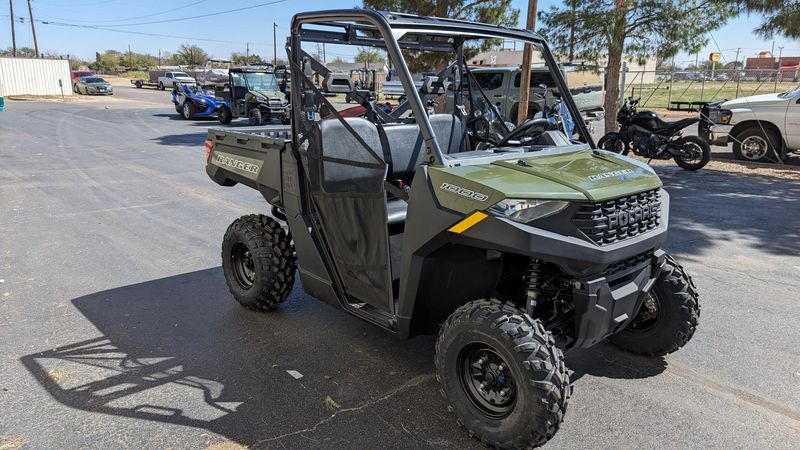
118	330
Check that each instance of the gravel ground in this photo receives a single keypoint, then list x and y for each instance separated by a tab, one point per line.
118	330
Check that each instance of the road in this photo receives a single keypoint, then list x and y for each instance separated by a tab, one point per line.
118	330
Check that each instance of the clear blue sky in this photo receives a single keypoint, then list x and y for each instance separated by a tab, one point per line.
251	25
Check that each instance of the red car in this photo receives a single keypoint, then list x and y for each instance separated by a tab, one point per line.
77	75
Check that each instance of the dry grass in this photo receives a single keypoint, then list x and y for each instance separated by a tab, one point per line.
227	445
56	375
12	443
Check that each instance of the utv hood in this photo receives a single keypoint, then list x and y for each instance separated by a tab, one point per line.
586	175
596	175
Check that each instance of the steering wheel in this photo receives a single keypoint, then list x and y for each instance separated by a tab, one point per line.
531	128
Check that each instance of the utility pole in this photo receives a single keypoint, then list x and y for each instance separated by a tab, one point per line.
247	54
130	58
778	72
525	78
324	59
33	28
274	43
159	58
738	72
572	33
13	34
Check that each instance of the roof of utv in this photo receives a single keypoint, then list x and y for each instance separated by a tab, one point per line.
424	33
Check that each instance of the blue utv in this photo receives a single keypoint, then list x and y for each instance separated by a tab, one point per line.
192	101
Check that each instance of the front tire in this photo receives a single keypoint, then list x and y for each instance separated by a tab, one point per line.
258	262
612	142
667	318
698	153
188	111
756	145
255	117
502	374
225	115
161	86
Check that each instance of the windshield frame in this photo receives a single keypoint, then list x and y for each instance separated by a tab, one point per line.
395	32
246	77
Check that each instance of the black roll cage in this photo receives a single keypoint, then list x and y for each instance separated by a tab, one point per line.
381	29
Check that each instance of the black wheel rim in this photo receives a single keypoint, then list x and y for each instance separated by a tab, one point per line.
243	267
692	154
614	145
487	381
649	314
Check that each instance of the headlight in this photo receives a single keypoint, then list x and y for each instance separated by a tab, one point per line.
526	211
721	116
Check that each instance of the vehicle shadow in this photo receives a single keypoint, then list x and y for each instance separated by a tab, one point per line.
606	361
179	350
185	139
757	211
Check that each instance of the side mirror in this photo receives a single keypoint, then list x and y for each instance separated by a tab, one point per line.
307	70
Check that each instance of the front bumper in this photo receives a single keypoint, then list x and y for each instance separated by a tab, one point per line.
606	304
609	280
716	134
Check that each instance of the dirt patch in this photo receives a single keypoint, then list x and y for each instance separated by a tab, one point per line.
227	445
734	166
46	98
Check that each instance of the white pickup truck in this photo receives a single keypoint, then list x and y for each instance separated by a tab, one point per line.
761	127
170	78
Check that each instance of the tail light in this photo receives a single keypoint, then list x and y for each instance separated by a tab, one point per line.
209	148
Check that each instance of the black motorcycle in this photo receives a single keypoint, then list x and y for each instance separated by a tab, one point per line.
651	137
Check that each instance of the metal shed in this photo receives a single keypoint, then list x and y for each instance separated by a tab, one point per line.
29	76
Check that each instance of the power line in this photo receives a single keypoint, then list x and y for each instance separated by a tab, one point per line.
244	8
140	33
127	18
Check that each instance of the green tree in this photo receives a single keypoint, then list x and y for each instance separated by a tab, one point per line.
337	60
191	55
780	17
369	57
22	52
240	59
498	12
597	30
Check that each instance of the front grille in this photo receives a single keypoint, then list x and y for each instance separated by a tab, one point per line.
616	220
633	261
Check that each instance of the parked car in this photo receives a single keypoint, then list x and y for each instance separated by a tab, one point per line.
761	127
170	78
77	75
94	85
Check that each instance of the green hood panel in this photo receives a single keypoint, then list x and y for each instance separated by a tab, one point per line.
577	176
597	175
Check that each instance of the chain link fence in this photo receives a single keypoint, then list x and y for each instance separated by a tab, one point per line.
689	90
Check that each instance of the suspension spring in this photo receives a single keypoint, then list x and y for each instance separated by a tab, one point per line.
533	284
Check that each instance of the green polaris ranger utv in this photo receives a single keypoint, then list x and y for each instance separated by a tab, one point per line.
514	245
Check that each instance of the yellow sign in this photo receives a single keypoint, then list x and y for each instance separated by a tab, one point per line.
714	56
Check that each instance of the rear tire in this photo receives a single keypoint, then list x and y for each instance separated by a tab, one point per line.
694	143
225	115
502	374
258	261
668	317
757	145
138	85
612	142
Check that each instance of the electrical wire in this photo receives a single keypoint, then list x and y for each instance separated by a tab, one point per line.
128	18
216	13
